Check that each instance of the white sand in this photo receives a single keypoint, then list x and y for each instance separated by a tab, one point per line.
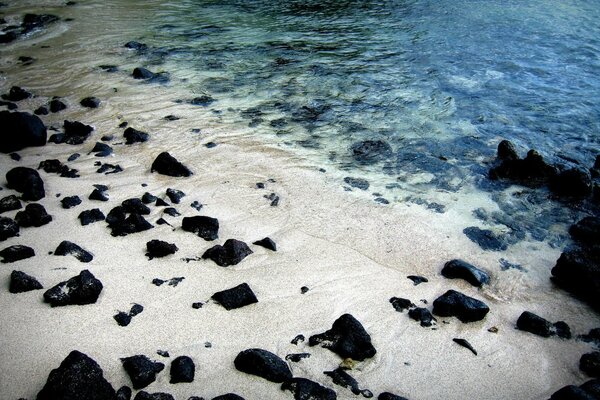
353	254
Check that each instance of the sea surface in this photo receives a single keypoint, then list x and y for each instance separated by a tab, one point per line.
439	83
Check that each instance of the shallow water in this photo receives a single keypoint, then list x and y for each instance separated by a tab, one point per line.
440	82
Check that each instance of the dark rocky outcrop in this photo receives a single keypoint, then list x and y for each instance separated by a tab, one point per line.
231	253
305	389
124	319
10	203
90	216
343	379
166	164
459	269
90	102
33	215
21	282
347	338
358	183
142	73
235	297
141	370
56	167
586	231
19	130
370	151
183	370
205	227
204	100
36	21
77	377
79	290
16	252
456	304
263	363
175	195
16	93
27	181
8	228
578	271
422	315
267	243
135	206
134	136
507	151
143	395
486	239
590	364
158	248
56	105
530	171
69	248
134	223
102	150
75	133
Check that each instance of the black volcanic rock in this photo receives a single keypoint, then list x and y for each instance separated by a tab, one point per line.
485	238
417	280
90	102
530	171
75	132
77	377
132	224
358	183
370	151
56	105
79	290
102	150
143	395
21	282
205	227
19	130
347	338
267	243
142	73
422	315
124	319
231	253
148	198
10	203
343	379
27	181
8	228
578	271
235	297
586	231
134	136
456	304
573	182
183	370
98	195
16	93
133	45
15	253
400	304
141	370
535	324
35	21
263	363
459	269
590	364
54	166
90	216
228	396
166	164
135	206
158	248
175	195
390	396
69	248
572	392
204	100
507	151
305	389
33	215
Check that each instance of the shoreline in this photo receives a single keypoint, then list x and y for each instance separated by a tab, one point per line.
352	254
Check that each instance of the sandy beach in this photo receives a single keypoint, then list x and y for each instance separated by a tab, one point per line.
351	253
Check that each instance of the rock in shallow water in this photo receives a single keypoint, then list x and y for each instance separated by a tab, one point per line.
456	304
485	238
578	271
21	282
79	290
263	363
231	253
235	297
166	164
347	338
19	130
77	377
462	270
371	151
141	370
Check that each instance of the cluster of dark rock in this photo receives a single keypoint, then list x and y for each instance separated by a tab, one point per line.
30	23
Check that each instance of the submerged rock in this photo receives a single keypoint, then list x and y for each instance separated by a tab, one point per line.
27	181
90	102
17	93
205	227
166	164
16	252
305	389
357	183
19	130
235	297
79	290
183	370
8	228
21	282
141	370
231	253
75	133
371	151
263	363
347	338
69	248
142	73
158	248
459	269
33	215
456	304
573	182
77	377
530	171
485	238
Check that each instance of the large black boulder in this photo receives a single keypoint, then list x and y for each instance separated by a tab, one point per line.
263	363
573	182
463	307
305	389
572	392
236	297
134	136
69	248
158	248
33	215
27	181
135	206
370	151
8	228
16	93
586	231
231	253
19	130
21	282
535	324
347	338
77	377
459	269
530	171
75	133
205	227
578	271
141	370
15	253
590	364
132	224
166	164
90	102
183	370
79	290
